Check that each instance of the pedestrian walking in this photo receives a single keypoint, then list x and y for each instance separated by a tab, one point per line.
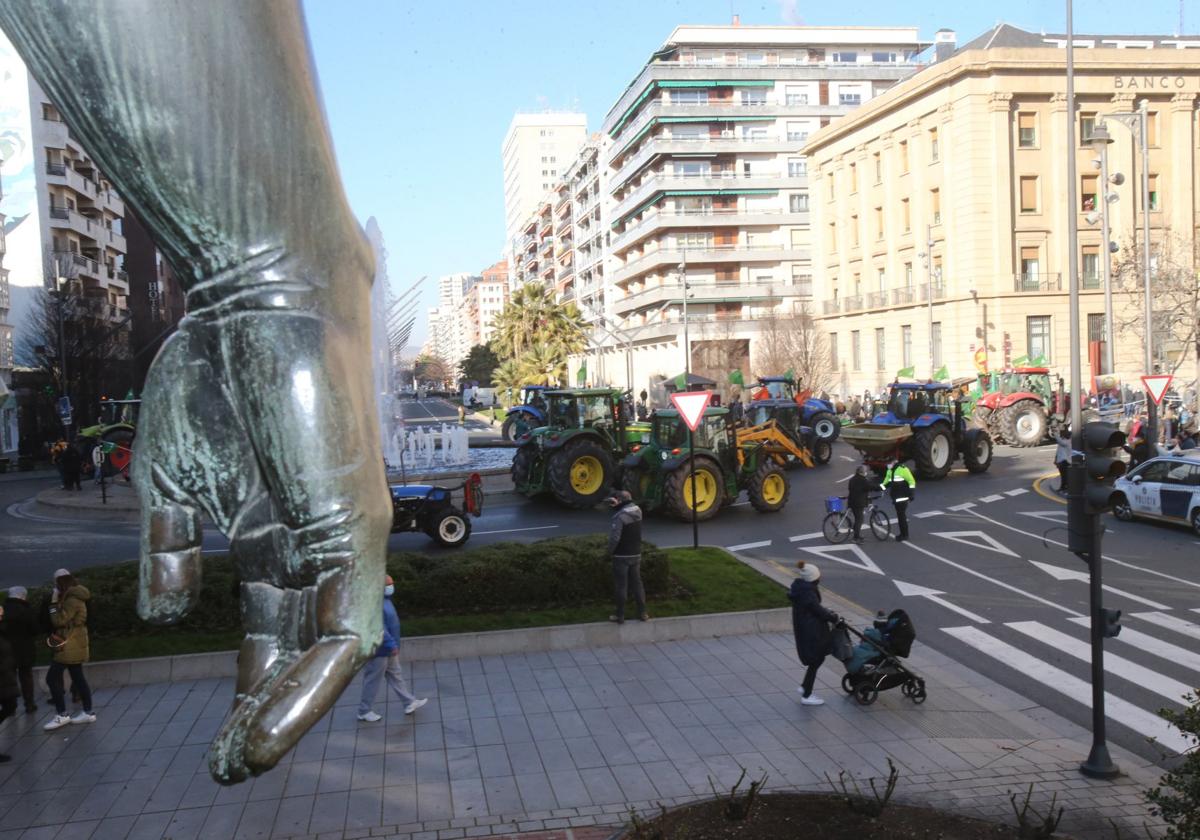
811	626
900	483
20	627
854	410
72	464
625	549
1062	457
69	641
9	691
858	495
386	664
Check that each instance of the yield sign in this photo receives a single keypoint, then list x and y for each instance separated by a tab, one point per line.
691	405
1157	385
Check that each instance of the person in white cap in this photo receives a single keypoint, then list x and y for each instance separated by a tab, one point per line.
811	626
68	617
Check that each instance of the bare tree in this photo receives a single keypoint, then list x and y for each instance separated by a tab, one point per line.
430	369
1175	301
719	353
795	341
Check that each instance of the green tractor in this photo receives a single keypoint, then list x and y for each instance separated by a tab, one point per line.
658	475
574	456
115	433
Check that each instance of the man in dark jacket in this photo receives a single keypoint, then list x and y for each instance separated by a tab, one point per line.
20	627
625	549
859	490
811	626
8	683
72	464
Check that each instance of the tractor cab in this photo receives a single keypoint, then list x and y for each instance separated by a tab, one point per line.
916	402
115	412
815	413
527	414
777	388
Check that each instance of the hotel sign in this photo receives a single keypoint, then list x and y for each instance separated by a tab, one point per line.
1153	82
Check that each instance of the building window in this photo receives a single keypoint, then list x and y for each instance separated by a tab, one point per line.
833	237
903	150
845	58
833	349
854	231
1096	329
796	132
908	275
694	239
906	345
754	96
878	223
1030	268
1152	128
1027	130
802	280
880	348
937	344
935	205
933	146
691	168
850	98
797	167
1090	268
1087	124
855	350
689	96
853	177
878	168
905	216
1154	201
798	202
794	95
831	186
1029	194
883	57
1087	193
1037	336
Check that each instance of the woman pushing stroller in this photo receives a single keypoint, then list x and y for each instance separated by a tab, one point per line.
811	625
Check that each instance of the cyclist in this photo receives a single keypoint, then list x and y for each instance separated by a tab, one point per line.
899	482
859	492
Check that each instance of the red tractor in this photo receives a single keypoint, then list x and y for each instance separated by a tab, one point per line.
1019	407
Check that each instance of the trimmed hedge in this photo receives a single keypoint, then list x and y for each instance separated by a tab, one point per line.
565	571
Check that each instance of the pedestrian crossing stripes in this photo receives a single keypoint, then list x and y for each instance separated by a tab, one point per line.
1142	721
1187	658
1170	622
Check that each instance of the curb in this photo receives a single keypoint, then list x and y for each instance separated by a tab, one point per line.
86	502
1047	494
223	664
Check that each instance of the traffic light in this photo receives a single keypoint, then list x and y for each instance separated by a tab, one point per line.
1101	444
1110	622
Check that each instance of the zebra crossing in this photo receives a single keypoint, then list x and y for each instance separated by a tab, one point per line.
1151	665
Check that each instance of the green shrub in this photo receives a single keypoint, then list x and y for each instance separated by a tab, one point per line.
1177	799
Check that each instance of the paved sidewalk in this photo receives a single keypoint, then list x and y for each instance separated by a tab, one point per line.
542	742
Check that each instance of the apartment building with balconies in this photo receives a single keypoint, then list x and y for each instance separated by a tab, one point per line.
9	430
940	208
484	300
586	181
706	179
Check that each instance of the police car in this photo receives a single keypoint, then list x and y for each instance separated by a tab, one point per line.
1166	488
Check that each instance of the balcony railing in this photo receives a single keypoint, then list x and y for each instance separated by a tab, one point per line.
937	290
852	303
831	307
59	169
1037	282
1090	281
57	212
902	296
876	299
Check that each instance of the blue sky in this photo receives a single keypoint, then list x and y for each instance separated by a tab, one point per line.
419	94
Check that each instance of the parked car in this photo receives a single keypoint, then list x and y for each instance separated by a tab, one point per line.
1166	487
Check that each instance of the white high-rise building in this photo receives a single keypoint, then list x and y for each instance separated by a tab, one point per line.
537	150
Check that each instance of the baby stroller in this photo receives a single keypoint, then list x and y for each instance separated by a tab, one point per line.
873	665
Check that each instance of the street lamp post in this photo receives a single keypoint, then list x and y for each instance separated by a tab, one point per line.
928	255
1100	141
687	347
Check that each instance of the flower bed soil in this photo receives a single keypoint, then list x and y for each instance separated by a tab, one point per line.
787	816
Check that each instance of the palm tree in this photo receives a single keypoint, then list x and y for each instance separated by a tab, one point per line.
508	380
543	365
533	320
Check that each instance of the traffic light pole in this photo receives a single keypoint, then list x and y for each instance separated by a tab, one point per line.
1099	764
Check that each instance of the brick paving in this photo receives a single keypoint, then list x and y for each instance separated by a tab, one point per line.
553	746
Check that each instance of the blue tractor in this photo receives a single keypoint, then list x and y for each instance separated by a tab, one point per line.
526	415
924	424
817	414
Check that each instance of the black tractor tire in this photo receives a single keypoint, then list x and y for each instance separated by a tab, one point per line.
1024	423
933	451
449	527
769	488
821	451
522	465
977	450
981	416
506	430
677	480
562	463
635	480
826	426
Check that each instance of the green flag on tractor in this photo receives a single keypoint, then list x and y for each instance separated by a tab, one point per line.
681	382
791	374
1037	361
1020	361
581	374
906	373
736	377
941	374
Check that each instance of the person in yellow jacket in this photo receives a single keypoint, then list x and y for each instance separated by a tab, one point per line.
69	641
899	482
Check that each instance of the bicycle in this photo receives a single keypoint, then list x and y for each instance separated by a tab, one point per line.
838	524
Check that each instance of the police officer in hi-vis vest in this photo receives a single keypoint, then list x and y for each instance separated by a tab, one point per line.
900	483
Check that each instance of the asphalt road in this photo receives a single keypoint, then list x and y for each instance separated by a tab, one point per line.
985	577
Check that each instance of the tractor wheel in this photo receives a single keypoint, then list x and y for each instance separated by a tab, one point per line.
522	465
977	450
769	488
508	430
821	451
1024	423
117	462
636	480
980	416
710	489
933	450
581	473
826	426
449	527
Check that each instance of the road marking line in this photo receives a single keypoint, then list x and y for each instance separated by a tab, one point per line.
989	579
1152	644
515	530
1060	573
846	458
1019	491
976	539
934	595
801	537
925	514
1046	494
964	506
866	564
1158	683
995	497
1119	710
1105	556
847	478
748	546
1170	622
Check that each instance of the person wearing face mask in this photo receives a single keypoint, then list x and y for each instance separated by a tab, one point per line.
386	663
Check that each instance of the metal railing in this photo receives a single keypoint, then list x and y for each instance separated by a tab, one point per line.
938	291
1089	281
1037	282
903	295
57	212
852	302
876	299
831	307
